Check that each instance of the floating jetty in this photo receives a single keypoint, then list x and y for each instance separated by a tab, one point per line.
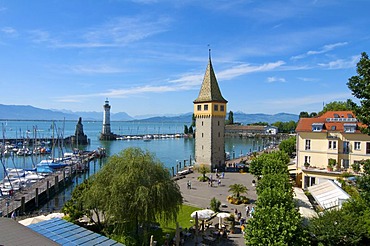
30	198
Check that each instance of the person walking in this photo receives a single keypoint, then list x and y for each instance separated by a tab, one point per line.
247	211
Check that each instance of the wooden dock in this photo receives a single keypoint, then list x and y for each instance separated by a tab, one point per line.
30	198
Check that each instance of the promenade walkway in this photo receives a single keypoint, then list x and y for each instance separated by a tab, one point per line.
200	195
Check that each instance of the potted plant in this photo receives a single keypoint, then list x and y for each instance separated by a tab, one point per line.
231	220
306	165
331	164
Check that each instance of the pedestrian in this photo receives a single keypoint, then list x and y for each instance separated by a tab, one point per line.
251	213
247	210
222	175
13	216
219	182
189	184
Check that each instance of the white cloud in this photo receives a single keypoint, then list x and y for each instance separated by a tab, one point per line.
308	79
246	68
324	49
40	36
9	31
97	69
191	80
341	63
117	32
275	79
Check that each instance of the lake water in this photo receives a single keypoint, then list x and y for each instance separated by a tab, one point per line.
169	151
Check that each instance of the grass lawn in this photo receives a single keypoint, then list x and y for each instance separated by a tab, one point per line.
184	221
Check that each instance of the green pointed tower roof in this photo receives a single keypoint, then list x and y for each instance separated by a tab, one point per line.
210	91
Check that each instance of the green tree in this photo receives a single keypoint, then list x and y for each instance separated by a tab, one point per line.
238	189
275	162
135	190
337	106
273	180
203	169
193	120
186	129
270	197
74	208
286	127
313	114
191	131
275	225
304	114
288	146
230	119
359	85
215	204
337	227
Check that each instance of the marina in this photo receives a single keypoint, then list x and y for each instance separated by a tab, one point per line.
174	152
23	199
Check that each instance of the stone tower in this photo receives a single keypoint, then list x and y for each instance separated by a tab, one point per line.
106	133
210	114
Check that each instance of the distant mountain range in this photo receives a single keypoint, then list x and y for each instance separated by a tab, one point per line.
20	112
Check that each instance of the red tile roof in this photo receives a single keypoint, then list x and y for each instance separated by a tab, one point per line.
329	120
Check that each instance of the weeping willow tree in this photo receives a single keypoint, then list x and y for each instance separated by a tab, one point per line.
135	191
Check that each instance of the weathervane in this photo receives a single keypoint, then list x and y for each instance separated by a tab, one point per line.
209	51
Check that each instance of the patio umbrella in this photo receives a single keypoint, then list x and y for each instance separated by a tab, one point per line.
221	216
203	214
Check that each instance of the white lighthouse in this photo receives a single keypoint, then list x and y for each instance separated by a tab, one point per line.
106	133
106	119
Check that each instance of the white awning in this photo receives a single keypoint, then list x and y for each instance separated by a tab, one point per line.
328	194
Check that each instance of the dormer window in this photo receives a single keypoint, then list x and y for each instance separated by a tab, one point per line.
349	128
317	127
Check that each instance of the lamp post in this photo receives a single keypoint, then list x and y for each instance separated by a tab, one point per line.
233	152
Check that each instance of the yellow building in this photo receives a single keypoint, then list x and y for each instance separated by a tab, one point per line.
328	145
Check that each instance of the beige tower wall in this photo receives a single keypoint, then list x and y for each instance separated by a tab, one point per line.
209	141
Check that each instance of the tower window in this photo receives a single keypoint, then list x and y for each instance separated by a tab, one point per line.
202	123
199	107
215	107
205	107
222	108
218	122
219	134
202	134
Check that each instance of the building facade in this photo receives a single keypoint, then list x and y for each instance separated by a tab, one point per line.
210	114
329	145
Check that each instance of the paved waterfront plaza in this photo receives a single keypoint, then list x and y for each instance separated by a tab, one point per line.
201	193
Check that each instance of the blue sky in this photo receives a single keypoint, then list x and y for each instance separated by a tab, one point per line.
149	56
